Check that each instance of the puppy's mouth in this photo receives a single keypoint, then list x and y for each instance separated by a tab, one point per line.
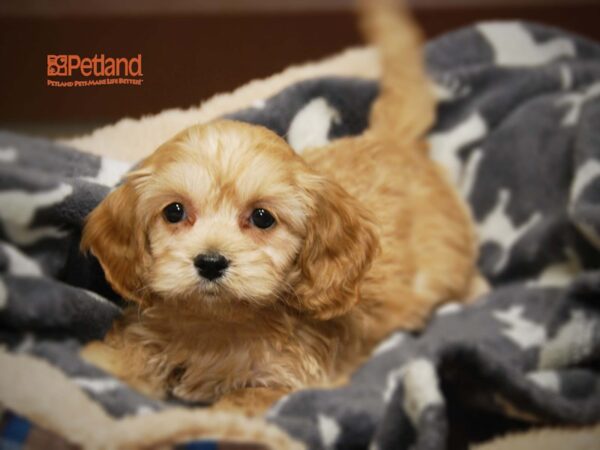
211	287
214	290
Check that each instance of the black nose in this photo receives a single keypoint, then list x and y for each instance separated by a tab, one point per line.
211	265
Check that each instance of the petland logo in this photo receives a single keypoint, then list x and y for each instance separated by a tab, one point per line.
99	70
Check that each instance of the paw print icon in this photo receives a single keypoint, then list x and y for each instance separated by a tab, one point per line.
57	65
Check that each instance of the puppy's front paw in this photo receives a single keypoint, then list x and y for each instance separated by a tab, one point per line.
118	363
251	401
192	394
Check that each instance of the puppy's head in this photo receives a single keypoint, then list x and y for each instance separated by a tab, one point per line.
227	216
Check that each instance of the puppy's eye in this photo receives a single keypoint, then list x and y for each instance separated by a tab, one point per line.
262	218
174	212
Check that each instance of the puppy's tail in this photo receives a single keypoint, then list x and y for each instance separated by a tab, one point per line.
405	107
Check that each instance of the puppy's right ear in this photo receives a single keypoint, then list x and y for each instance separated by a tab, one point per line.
115	235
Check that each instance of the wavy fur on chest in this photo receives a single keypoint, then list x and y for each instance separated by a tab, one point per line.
201	358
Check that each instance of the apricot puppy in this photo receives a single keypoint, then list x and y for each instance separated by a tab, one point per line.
250	267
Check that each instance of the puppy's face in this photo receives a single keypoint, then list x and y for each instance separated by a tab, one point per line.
223	215
226	215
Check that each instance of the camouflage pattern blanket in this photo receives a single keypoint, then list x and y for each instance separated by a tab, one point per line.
518	133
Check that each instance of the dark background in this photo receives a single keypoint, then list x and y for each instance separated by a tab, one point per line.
189	56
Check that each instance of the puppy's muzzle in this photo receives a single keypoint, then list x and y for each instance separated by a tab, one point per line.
211	265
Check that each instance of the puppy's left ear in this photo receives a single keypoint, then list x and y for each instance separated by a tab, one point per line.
340	244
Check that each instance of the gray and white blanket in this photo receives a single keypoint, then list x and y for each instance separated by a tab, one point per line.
518	131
